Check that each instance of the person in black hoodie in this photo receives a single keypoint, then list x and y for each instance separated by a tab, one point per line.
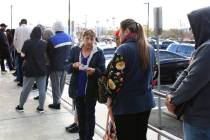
192	88
34	68
4	49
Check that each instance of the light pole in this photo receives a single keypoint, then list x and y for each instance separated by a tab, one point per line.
11	16
69	17
113	23
85	21
147	18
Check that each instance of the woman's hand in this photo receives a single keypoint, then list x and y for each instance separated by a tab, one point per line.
90	71
169	105
76	65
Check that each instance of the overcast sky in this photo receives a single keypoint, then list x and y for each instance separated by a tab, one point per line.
108	13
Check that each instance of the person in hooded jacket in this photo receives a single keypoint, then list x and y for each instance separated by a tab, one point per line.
58	53
4	49
34	68
192	88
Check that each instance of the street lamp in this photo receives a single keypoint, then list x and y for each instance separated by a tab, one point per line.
147	18
11	16
69	17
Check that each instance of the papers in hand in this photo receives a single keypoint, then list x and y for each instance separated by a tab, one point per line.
83	67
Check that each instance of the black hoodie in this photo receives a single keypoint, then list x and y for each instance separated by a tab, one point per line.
34	50
194	88
200	24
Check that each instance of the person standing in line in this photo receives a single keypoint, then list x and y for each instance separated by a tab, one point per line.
58	52
34	68
46	35
22	33
192	88
10	37
4	49
87	63
130	82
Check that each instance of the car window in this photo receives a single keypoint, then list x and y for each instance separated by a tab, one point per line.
168	55
172	48
190	51
109	51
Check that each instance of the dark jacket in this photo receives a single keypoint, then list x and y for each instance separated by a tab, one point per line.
35	51
4	44
195	86
97	62
58	51
136	94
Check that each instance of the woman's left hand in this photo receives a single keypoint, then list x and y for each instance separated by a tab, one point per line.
90	71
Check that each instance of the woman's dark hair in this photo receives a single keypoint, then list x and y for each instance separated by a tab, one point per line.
135	27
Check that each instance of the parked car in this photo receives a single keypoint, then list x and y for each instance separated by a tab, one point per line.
171	66
182	49
108	51
166	43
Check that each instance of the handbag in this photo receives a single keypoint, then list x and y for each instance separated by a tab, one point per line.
102	97
110	132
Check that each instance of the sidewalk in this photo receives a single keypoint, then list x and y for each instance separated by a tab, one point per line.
31	125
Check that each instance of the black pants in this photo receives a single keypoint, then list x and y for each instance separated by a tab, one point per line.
6	56
86	117
132	126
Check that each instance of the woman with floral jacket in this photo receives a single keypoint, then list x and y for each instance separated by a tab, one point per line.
129	82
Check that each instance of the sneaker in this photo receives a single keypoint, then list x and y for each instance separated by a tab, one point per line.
39	110
19	109
36	98
34	87
3	72
71	125
74	129
20	84
14	74
55	106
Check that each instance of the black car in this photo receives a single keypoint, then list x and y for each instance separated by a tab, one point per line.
171	66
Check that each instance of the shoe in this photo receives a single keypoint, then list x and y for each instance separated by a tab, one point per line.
35	87
74	129
19	109
55	106
3	72
71	125
16	80
39	110
14	74
36	98
20	84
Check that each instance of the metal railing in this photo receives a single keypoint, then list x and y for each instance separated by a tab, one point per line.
156	130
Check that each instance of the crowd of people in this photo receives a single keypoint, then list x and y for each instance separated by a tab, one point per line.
41	53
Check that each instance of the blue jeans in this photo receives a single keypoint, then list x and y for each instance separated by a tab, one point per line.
195	133
19	70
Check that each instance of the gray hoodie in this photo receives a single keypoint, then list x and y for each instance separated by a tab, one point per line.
194	88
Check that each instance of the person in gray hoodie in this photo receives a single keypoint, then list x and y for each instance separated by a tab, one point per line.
192	88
